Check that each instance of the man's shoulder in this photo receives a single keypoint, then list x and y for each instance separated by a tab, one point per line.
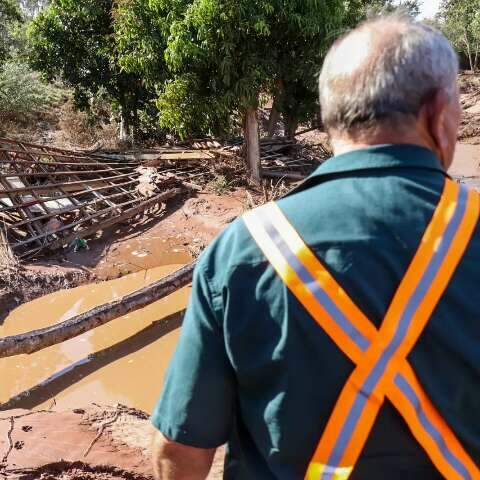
233	247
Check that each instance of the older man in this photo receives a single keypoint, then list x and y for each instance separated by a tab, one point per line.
336	333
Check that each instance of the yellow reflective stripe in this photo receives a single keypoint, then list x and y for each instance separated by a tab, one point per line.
297	287
317	470
325	279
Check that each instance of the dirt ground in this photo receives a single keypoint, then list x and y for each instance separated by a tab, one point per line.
186	226
101	443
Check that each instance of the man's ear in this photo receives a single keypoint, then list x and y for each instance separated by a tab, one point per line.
436	111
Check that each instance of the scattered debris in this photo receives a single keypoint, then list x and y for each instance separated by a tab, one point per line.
51	197
101	430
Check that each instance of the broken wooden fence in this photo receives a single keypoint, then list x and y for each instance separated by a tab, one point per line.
50	197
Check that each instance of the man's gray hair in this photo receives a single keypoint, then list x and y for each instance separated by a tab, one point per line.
384	71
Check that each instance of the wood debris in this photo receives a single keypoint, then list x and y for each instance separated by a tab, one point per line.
31	342
50	197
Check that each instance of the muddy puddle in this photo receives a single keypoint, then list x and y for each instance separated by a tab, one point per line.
121	362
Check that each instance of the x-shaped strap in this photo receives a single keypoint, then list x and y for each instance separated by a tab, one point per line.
380	356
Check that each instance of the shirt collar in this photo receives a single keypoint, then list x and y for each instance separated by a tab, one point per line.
381	157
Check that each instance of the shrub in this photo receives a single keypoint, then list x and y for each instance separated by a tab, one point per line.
23	92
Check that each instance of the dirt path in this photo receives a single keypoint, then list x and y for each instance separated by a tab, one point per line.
107	443
467	161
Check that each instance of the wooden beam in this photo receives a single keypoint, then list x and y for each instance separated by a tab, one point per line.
252	144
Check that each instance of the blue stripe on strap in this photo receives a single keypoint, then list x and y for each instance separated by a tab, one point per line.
410	394
402	329
312	284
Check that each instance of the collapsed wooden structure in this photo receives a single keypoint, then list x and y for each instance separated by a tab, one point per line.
51	198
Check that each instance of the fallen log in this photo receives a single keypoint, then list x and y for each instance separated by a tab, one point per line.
31	342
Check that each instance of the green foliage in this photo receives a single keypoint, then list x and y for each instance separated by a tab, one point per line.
460	20
142	29
237	50
190	66
75	40
23	92
10	14
187	111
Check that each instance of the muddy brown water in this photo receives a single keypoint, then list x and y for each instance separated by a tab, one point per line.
123	361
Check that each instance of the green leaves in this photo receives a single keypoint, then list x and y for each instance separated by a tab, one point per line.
193	64
22	91
460	21
9	15
76	40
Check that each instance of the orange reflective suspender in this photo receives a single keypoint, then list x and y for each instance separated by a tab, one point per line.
380	356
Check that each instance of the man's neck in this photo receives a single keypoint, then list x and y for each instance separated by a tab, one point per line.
345	144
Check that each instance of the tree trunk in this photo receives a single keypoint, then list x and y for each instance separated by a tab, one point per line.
475	62
274	118
275	113
469	52
252	142
123	127
291	126
31	342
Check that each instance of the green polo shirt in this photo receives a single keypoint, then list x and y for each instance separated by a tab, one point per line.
254	370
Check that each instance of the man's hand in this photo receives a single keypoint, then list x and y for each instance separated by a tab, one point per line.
173	461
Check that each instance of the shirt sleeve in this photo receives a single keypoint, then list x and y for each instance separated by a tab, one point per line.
196	406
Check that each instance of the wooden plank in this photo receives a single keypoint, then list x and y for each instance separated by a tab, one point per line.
30	342
58	197
60	174
118	218
67	186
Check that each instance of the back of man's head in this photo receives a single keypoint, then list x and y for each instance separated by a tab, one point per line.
382	73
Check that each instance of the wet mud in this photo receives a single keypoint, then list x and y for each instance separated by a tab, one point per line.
120	362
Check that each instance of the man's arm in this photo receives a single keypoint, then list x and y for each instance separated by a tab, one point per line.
174	461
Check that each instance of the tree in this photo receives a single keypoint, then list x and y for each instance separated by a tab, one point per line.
223	54
9	15
75	39
295	92
296	66
142	29
460	20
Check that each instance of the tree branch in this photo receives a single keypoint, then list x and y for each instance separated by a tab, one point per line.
31	342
